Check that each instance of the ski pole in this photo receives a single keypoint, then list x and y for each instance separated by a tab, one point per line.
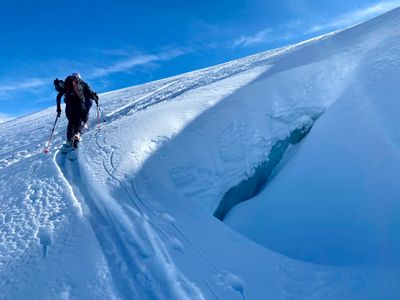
104	118
46	149
98	117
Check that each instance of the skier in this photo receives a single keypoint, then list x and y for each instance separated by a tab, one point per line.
75	92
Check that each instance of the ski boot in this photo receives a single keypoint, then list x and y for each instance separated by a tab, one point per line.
75	140
72	155
66	147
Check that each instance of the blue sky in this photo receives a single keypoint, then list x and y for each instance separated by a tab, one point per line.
120	43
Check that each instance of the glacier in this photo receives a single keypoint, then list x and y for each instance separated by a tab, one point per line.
133	217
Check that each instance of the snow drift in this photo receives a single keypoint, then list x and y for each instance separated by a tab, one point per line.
132	218
343	198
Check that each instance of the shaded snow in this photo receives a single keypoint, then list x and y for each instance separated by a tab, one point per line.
343	199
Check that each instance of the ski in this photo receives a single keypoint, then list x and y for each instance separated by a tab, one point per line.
66	148
72	155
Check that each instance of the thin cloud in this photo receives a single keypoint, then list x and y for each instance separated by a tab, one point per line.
131	62
356	17
41	87
253	39
29	84
283	33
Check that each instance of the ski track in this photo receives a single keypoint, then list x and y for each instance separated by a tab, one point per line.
128	260
102	223
149	213
123	260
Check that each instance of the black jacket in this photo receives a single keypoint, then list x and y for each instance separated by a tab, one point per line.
87	92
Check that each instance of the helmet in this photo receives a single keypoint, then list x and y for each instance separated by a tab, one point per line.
76	74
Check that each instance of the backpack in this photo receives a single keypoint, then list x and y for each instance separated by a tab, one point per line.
59	85
73	89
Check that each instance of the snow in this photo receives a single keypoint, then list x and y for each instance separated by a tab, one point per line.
343	197
133	216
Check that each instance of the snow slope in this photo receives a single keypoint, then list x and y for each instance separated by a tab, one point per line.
343	203
132	218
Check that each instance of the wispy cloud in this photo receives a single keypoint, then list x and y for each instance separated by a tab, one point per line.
252	39
356	16
26	84
39	89
265	36
130	62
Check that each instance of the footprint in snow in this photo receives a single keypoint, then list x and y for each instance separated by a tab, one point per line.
8	218
45	236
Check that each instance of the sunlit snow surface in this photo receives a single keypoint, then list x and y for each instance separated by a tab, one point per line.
132	217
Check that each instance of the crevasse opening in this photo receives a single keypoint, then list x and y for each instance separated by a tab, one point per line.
251	186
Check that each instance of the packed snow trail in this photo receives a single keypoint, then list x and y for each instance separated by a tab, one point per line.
129	247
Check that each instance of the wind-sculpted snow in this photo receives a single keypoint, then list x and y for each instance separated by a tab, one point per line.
132	217
343	198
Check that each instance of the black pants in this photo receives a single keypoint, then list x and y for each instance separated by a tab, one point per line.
88	105
75	113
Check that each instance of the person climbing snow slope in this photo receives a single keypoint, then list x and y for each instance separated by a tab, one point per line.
77	97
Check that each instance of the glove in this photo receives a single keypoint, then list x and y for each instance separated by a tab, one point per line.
96	98
58	112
